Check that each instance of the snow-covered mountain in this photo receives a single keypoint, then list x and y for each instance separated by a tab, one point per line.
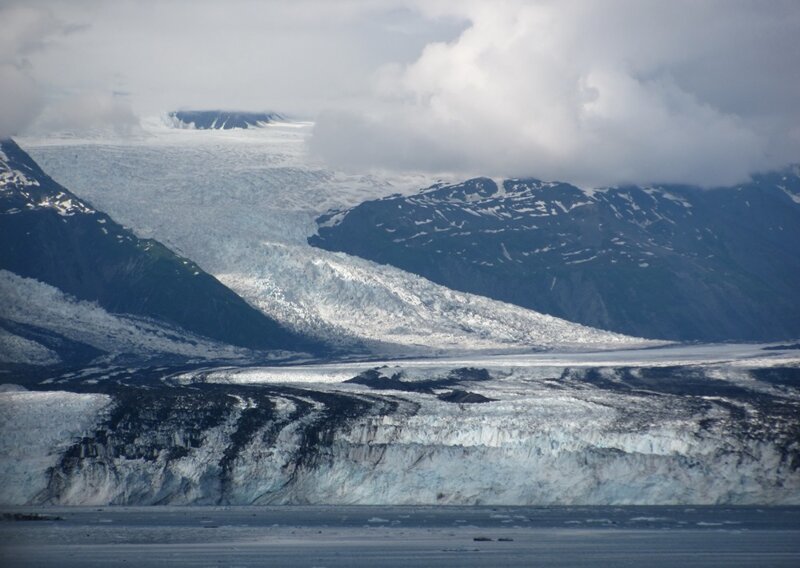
242	203
665	426
675	262
64	258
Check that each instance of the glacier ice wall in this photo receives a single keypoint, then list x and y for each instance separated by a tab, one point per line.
544	436
37	427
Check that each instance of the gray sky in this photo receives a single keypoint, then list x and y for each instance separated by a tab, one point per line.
701	91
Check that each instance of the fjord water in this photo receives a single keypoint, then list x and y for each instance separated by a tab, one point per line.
348	536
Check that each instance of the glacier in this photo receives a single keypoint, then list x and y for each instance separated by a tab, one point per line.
36	428
689	425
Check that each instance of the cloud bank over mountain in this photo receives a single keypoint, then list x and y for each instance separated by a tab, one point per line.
594	93
23	30
697	91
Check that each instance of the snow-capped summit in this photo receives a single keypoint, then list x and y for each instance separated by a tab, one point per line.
21	189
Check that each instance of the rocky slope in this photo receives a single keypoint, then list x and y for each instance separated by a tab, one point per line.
669	262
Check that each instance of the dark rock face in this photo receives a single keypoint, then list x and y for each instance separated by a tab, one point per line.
224	120
374	379
672	262
463	397
53	236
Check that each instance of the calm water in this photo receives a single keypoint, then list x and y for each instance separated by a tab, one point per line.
351	536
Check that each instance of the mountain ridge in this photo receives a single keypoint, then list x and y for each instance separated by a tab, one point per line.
673	262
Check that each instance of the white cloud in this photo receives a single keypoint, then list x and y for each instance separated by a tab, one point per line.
19	100
89	111
23	30
591	92
291	56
